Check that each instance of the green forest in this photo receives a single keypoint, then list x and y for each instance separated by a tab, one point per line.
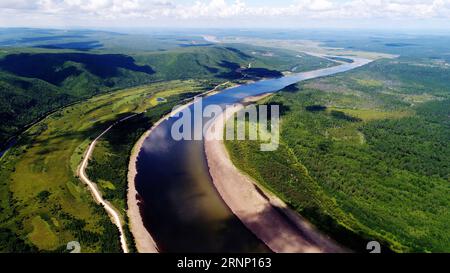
364	154
43	204
34	82
56	96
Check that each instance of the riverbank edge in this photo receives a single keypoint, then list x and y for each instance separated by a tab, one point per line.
144	241
282	229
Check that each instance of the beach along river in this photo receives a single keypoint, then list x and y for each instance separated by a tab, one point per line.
181	208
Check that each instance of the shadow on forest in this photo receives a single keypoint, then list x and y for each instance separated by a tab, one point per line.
53	68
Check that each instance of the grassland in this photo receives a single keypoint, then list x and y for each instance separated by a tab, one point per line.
360	160
109	163
43	204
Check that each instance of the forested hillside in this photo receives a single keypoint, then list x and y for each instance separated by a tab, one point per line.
43	204
35	82
365	155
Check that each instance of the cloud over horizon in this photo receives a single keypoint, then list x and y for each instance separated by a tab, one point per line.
210	13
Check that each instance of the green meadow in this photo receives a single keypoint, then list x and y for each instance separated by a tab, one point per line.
43	204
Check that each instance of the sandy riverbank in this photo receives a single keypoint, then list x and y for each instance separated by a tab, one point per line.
267	216
143	239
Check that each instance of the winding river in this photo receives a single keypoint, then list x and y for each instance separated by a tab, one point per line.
181	208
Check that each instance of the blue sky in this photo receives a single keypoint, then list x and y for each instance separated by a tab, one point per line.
374	14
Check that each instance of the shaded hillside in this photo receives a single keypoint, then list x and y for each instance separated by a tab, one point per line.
55	68
35	83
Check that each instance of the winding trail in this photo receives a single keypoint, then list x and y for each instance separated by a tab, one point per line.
144	242
110	209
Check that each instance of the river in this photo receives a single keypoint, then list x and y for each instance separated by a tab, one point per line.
182	210
8	146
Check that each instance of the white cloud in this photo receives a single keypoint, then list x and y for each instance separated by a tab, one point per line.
233	10
319	5
18	4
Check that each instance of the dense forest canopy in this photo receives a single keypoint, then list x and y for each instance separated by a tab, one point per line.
367	151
